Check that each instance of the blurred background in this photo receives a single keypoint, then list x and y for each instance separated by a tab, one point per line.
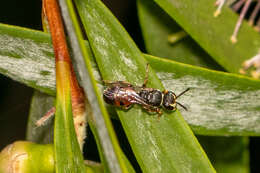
15	98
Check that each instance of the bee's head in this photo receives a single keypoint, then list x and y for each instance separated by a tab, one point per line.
169	100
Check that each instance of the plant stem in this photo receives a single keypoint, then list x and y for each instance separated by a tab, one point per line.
62	54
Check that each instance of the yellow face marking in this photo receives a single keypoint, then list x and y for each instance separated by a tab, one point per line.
173	104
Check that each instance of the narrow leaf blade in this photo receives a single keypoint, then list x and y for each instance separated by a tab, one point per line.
115	159
113	47
156	40
226	93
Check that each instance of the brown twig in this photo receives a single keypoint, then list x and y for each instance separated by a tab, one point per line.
52	11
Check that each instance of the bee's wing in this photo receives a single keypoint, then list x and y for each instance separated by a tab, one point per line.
139	100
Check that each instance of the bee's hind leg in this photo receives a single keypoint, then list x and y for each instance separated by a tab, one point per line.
126	107
115	83
152	109
146	76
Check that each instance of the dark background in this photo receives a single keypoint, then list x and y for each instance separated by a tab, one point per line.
15	97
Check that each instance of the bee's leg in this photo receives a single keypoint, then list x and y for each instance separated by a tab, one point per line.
147	108
159	112
146	76
115	83
109	83
153	110
126	107
124	83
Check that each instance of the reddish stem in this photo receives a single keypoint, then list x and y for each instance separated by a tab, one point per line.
52	11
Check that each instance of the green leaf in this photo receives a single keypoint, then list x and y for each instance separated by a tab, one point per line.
68	157
244	85
115	160
237	159
227	154
41	103
219	80
22	48
156	39
213	34
219	103
168	142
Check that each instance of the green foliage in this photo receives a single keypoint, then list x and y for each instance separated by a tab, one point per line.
156	40
68	157
213	34
100	123
227	92
227	154
219	103
187	51
144	131
175	71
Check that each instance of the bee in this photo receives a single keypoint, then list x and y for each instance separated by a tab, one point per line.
123	94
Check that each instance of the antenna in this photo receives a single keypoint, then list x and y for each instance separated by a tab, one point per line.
182	106
182	93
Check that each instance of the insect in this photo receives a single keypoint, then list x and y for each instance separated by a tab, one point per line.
123	94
